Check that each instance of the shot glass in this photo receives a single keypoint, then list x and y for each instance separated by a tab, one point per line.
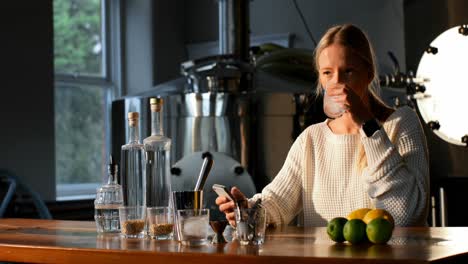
193	226
160	222
132	221
251	225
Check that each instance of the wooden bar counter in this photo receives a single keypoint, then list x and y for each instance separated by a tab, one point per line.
49	241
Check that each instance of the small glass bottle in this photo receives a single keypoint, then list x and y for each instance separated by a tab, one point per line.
133	165
108	200
158	154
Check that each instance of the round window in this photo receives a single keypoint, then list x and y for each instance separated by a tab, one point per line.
443	70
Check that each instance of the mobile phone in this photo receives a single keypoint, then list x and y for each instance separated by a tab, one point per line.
221	190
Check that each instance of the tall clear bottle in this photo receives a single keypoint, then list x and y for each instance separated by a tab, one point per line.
133	179
158	153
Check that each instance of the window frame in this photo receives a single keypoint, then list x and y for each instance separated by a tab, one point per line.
112	81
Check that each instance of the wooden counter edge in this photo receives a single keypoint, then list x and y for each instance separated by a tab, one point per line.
39	254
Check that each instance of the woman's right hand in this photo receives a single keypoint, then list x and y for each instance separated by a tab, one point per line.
350	102
227	206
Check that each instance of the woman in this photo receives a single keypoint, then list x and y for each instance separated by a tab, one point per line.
370	156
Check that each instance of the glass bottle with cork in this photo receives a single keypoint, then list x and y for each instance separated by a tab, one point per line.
158	155
133	178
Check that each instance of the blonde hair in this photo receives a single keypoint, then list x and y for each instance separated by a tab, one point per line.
352	37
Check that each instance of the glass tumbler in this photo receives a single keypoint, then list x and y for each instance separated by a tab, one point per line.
251	225
132	221
193	226
331	108
160	222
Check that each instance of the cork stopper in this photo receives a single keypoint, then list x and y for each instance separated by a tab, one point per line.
156	104
133	118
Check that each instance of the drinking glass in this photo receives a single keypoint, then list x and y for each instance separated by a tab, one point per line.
251	225
185	200
331	108
160	222
193	226
132	221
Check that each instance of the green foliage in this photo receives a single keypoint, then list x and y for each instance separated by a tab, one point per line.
80	130
77	31
80	134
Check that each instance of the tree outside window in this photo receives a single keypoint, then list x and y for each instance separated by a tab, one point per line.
81	92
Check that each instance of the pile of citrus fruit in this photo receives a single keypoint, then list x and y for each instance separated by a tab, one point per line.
362	225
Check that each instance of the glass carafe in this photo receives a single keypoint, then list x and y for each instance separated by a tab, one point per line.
108	199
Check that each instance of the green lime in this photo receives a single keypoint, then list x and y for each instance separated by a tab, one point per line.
379	230
335	229
354	231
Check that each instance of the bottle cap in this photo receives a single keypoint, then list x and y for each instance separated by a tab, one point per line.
156	104
157	100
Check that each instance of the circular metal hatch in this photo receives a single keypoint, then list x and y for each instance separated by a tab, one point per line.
443	70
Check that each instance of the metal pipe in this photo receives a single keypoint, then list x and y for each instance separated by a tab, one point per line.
234	30
433	211
222	26
443	208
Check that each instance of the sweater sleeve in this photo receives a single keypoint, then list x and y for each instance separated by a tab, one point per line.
397	175
282	198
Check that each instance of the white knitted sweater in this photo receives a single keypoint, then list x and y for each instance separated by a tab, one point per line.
321	176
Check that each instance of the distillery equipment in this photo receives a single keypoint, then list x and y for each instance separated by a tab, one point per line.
240	110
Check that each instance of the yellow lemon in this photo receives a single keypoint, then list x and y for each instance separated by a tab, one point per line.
358	214
378	213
